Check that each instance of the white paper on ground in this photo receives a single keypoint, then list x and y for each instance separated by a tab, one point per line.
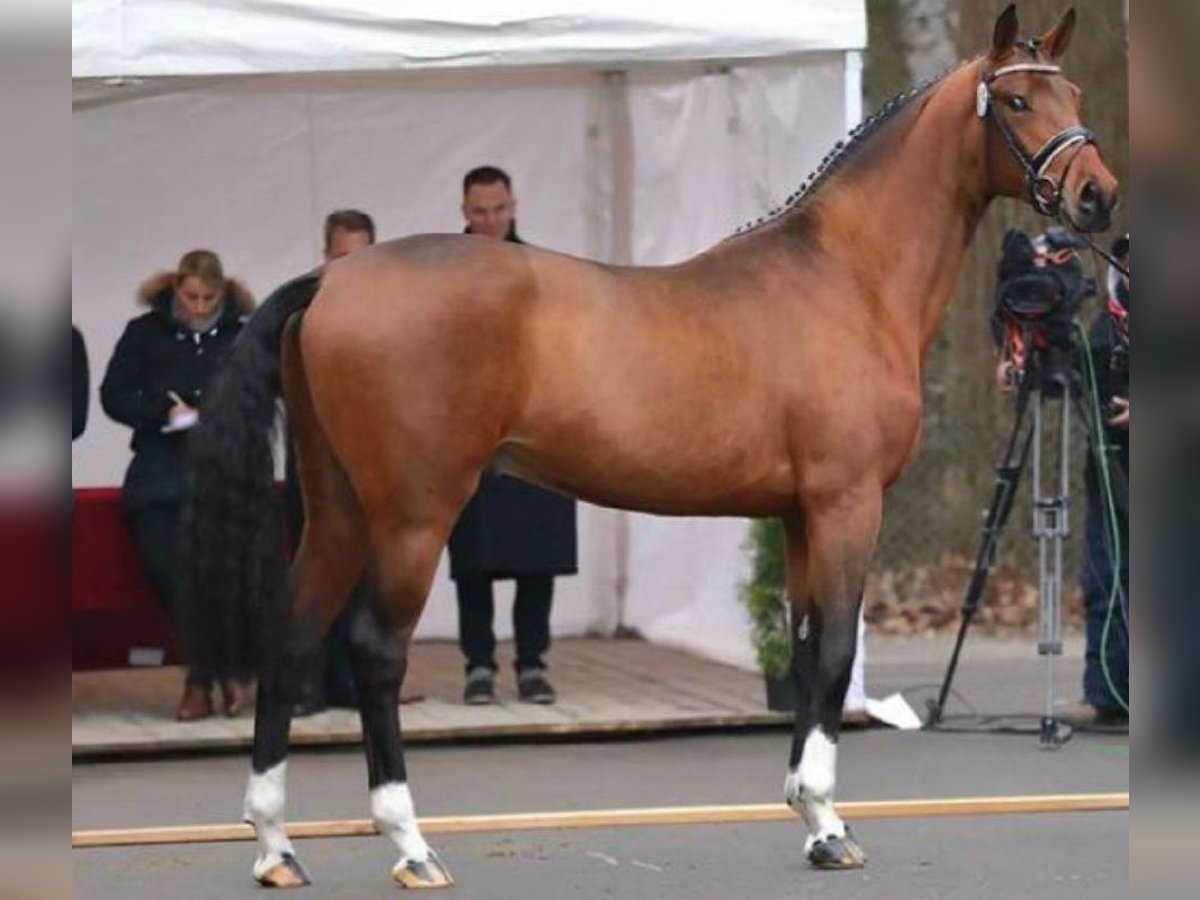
894	711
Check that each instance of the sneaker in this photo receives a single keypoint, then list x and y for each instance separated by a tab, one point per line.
532	687
1085	715
480	689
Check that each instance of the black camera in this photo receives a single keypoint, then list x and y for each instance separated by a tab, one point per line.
1041	287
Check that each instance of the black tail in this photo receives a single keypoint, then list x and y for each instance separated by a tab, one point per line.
233	533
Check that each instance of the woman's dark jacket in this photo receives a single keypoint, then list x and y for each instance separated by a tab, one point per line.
157	354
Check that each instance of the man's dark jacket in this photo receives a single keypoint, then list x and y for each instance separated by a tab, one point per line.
511	528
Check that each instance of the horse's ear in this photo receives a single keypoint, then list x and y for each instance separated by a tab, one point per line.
1057	38
1005	34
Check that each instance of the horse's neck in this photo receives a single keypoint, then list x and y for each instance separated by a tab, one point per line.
903	220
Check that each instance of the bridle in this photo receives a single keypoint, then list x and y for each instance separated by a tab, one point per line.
1045	191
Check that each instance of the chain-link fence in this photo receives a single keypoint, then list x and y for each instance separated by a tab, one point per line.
934	516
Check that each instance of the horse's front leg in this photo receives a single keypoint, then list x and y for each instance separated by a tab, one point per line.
828	550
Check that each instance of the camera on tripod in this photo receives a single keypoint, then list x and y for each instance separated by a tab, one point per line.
1039	292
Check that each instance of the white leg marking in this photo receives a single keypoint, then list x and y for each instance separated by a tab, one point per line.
265	795
809	788
394	816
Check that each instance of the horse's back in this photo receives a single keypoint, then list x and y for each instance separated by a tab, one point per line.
469	347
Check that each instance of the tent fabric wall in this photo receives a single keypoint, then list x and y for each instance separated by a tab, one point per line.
250	172
250	166
711	154
145	38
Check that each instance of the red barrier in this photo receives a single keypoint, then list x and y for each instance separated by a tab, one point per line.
113	607
33	608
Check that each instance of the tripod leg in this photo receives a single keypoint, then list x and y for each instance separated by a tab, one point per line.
1008	476
1051	527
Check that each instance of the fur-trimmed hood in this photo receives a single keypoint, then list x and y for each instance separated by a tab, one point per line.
155	293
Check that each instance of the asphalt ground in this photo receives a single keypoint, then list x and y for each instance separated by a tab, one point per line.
1048	855
1043	855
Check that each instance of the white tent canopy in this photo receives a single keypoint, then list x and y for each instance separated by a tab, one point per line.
634	132
148	38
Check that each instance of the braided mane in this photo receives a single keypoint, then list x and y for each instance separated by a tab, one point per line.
845	150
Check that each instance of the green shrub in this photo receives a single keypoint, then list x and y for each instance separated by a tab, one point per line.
765	598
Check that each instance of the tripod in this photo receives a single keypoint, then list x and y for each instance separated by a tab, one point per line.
1047	379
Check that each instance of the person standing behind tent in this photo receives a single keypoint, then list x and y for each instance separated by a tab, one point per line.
80	380
155	384
345	231
509	529
1105	571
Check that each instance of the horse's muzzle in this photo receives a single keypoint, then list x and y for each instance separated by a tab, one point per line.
1093	207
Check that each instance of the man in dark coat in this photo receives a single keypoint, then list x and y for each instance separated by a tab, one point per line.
509	528
155	384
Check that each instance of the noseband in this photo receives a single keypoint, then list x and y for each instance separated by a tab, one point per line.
1045	192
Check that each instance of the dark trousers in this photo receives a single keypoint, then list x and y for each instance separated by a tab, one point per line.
1097	583
156	532
531	620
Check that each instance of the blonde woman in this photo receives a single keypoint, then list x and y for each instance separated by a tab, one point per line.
155	384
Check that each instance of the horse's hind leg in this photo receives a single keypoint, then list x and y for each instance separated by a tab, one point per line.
406	552
330	559
378	655
828	551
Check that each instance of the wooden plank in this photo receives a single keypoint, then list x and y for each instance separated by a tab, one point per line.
607	686
672	676
640	687
604	721
609	818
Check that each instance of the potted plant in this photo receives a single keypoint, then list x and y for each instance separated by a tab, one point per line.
765	598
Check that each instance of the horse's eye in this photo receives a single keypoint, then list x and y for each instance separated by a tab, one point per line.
1017	104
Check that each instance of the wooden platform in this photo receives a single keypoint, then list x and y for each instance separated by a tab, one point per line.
604	686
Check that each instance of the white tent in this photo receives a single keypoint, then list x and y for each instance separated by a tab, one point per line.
634	132
158	38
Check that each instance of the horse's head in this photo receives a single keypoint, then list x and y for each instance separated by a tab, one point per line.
1037	146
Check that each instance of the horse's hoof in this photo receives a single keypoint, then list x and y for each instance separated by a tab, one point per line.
289	872
417	875
836	853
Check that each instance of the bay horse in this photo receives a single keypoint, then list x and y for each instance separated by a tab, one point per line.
776	374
